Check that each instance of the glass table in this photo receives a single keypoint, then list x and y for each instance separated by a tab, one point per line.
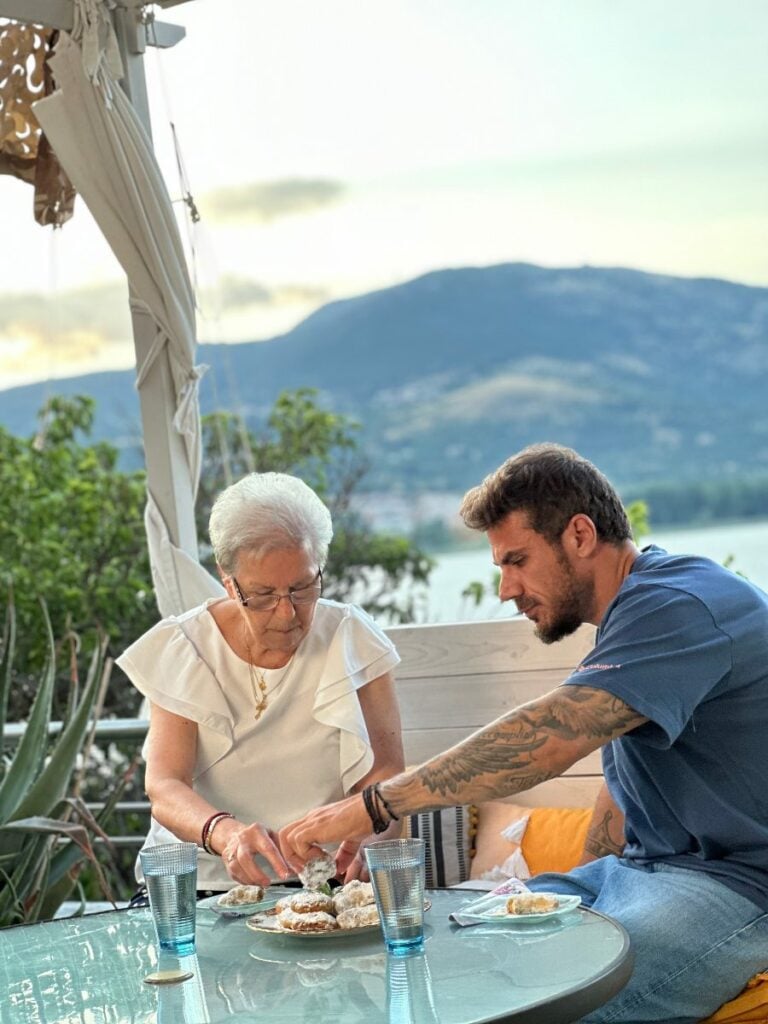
91	969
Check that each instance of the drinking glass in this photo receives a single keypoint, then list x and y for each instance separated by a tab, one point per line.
170	872
396	867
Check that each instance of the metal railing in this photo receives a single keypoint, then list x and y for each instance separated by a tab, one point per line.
106	729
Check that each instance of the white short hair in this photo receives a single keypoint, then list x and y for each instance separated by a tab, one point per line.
267	512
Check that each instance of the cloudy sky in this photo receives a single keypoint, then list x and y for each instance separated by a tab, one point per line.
339	147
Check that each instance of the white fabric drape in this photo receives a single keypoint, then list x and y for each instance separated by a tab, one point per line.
107	154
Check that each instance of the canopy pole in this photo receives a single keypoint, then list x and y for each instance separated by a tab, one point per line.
168	472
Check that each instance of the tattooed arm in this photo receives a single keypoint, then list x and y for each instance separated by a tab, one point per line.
606	829
531	744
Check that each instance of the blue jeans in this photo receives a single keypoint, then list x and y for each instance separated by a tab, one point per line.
696	942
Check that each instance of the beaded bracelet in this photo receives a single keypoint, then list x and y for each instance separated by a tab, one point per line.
209	826
213	825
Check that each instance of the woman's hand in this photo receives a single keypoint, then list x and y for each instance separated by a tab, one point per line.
243	845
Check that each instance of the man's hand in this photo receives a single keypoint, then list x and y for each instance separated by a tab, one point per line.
350	861
301	840
350	856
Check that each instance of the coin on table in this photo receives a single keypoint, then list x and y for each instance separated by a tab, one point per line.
167	977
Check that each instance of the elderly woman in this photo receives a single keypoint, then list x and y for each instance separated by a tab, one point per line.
267	702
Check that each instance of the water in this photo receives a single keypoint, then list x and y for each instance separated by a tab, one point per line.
745	543
400	898
172	899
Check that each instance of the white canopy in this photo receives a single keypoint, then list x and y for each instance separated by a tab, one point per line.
108	156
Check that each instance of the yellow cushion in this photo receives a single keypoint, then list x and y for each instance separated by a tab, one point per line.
553	839
750	1007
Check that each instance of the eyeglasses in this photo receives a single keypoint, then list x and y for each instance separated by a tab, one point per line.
268	602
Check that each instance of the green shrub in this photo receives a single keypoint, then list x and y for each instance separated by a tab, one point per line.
46	831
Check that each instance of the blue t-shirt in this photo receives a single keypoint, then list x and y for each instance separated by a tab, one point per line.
685	643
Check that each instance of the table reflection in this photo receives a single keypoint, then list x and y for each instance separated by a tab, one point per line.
410	999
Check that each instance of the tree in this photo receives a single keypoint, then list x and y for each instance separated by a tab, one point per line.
73	534
74	528
378	571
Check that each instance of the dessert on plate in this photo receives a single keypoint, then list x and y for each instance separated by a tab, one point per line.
241	895
317	871
532	903
306	922
353	894
351	906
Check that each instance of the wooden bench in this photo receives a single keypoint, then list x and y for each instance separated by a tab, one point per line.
456	678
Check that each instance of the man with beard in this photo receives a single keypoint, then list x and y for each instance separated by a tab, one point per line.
675	691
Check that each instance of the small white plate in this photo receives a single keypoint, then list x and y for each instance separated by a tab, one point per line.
497	914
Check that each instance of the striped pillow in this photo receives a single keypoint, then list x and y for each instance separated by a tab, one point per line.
448	835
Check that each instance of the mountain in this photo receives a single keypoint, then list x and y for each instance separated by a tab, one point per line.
654	377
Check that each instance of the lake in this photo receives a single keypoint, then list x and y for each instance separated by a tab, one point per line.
745	543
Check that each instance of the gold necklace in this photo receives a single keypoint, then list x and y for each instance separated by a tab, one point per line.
259	684
259	688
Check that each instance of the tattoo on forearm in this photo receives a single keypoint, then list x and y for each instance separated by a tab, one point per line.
534	743
599	841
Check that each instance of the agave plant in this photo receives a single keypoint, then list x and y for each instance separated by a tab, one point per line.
45	829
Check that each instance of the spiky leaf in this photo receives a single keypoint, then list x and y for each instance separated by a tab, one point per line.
52	783
31	749
6	660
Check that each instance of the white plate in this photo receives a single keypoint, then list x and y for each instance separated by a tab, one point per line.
498	915
238	910
267	924
336	933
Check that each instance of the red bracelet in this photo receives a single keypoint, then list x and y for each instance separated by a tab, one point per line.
208	828
212	826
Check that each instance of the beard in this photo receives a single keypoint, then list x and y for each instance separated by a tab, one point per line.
569	611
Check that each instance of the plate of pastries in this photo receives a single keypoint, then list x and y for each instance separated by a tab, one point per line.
307	913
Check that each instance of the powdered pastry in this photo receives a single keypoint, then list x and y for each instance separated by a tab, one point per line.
358	917
531	903
310	903
294	922
353	894
240	895
317	871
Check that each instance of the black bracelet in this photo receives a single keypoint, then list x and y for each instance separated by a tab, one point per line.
379	825
383	802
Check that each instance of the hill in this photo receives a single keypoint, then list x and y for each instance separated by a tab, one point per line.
654	377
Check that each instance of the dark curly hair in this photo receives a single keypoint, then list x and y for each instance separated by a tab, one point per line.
551	484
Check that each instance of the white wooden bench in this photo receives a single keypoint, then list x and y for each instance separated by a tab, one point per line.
455	678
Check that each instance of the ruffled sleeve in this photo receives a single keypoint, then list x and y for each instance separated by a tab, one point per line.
166	667
358	652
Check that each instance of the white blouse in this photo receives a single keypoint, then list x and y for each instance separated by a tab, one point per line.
310	745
